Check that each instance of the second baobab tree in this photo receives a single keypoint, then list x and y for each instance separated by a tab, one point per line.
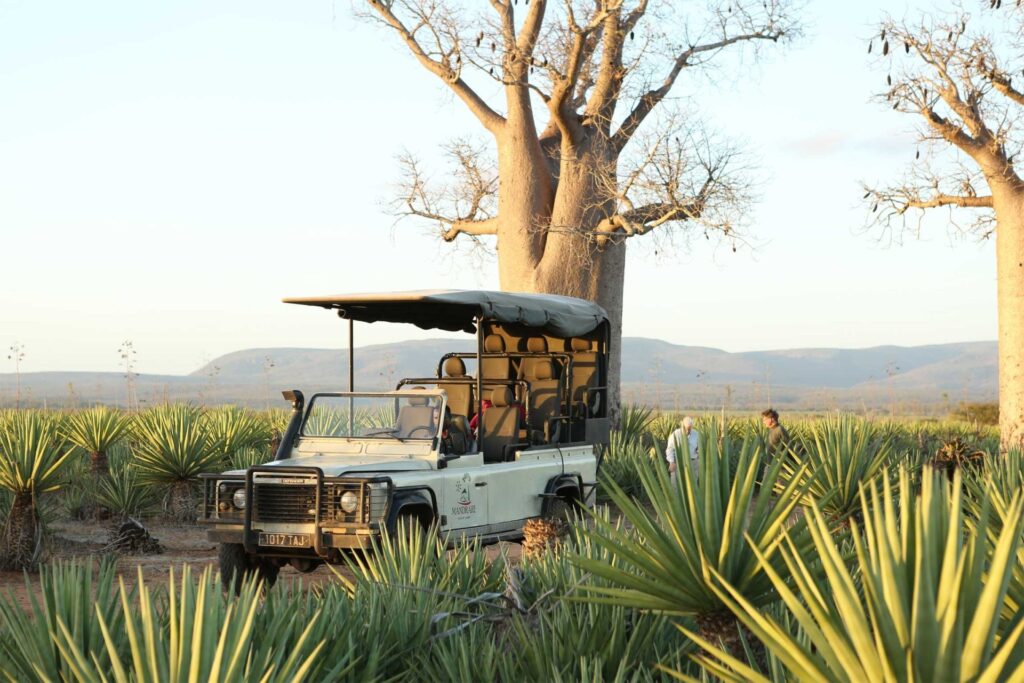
961	76
585	147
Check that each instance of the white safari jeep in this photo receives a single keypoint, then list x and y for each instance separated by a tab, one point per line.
471	452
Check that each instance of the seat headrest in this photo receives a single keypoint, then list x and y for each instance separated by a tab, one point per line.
501	397
494	344
454	367
418	400
543	369
577	344
537	345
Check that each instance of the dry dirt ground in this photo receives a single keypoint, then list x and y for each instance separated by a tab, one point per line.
184	544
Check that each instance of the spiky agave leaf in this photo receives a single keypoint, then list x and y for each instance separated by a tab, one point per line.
123	494
991	490
232	429
72	593
635	421
33	453
95	431
200	635
173	444
840	454
696	528
930	607
172	447
622	463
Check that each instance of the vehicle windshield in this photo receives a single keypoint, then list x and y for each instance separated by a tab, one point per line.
373	417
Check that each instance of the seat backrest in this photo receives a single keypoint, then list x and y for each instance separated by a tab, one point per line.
500	424
545	393
495	368
526	365
585	371
416	419
460	394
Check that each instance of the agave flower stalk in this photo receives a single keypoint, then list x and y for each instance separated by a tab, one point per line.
933	592
95	431
33	456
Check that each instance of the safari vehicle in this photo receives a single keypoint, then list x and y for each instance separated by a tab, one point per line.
472	454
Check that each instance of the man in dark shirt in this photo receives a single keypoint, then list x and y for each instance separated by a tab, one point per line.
778	437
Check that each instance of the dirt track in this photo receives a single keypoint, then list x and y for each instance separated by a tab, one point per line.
183	544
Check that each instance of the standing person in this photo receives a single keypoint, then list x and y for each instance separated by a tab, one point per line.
688	438
778	437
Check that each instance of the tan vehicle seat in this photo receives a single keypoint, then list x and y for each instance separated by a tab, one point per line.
585	371
460	395
417	419
533	345
500	425
545	394
495	368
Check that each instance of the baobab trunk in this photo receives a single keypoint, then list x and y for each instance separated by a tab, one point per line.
554	250
1009	209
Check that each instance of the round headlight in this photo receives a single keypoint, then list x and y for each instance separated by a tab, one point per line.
349	501
238	498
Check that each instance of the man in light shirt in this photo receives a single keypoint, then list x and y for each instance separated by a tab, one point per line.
684	443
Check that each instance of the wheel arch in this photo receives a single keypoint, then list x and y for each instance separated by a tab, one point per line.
567	486
419	501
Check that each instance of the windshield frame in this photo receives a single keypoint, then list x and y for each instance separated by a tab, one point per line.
396	395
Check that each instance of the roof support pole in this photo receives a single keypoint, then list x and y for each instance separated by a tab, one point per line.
351	375
479	382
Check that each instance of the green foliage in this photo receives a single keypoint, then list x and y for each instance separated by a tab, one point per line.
97	429
893	573
635	422
123	494
840	454
708	525
622	465
33	453
232	429
173	445
932	592
979	413
71	595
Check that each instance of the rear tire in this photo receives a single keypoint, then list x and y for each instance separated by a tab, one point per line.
236	566
562	512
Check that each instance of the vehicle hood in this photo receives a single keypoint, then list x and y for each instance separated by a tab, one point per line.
338	465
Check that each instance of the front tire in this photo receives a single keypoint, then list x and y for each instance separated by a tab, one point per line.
236	566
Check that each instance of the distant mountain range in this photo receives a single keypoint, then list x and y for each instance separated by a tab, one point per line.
923	378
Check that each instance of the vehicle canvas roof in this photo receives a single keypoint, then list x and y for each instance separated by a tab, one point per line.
456	310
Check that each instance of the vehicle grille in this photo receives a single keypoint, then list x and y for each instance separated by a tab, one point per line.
283	502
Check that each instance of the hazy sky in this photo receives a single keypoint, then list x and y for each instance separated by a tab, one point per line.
169	172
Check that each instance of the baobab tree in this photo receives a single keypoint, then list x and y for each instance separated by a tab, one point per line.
960	75
589	149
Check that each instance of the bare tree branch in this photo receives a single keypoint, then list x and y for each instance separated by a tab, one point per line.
948	72
488	226
466	205
440	67
772	27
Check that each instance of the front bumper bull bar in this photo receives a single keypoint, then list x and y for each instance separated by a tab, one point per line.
342	535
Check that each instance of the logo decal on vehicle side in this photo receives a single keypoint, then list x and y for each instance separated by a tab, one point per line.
464	504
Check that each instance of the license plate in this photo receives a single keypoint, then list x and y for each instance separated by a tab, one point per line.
286	540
